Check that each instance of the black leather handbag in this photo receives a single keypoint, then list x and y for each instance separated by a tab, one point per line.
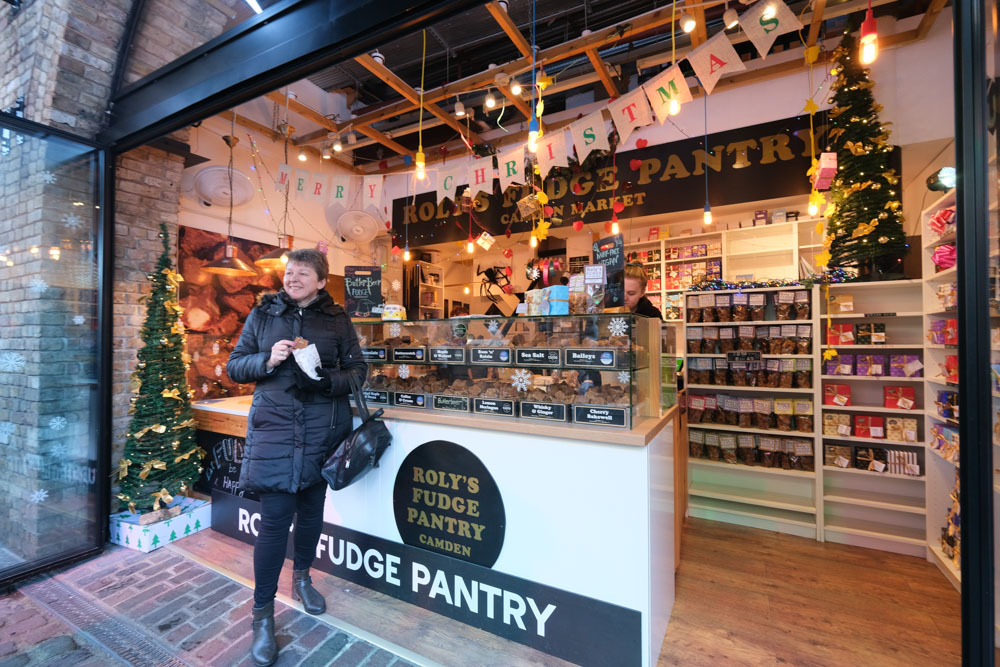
361	450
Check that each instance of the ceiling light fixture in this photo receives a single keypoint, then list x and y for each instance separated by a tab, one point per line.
490	100
337	146
459	110
326	153
730	18
687	22
302	155
378	57
230	264
515	87
352	138
869	37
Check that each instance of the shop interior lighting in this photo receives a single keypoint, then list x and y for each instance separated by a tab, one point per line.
470	247
378	57
230	264
942	179
533	135
515	87
869	37
467	290
459	110
615	229
406	253
769	12
352	138
337	145
302	155
326	153
533	242
687	22
730	18
277	258
420	160
255	6
490	101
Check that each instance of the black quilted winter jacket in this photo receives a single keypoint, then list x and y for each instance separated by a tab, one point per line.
289	434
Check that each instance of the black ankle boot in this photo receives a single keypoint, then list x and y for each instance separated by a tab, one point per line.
264	649
302	589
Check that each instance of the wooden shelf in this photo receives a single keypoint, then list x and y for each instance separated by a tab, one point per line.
950	311
878	284
952	422
881	531
947	237
758	253
941	381
773	390
746	429
886	501
874	441
872	408
870	316
771	499
871	378
869	473
947	274
752	512
757	323
894	346
940	457
755	470
690	259
691	355
946	565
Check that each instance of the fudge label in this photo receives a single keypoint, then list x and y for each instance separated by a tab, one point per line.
493	406
376	397
409	354
547	411
447	355
408	400
529	356
599	414
375	353
490	355
601	358
451	403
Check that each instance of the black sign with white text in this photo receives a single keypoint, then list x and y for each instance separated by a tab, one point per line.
404	399
222	465
447	355
600	414
451	403
493	406
376	397
375	353
536	356
567	625
611	253
409	354
547	411
591	357
493	356
362	290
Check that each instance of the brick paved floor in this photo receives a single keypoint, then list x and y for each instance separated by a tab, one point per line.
158	608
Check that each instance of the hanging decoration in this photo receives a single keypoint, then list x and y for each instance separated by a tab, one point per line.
713	59
666	92
767	20
630	112
589	134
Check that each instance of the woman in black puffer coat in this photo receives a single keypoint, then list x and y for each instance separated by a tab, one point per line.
293	425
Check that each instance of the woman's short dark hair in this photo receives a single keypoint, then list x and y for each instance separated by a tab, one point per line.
313	258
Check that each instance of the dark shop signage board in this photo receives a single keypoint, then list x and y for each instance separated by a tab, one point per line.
555	412
222	464
569	626
410	354
447	355
405	399
451	403
537	356
494	406
764	161
591	357
600	415
611	253
490	356
362	290
375	397
375	353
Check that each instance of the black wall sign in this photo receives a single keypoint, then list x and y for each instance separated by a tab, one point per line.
536	356
591	357
764	161
407	400
375	353
362	290
547	411
493	356
599	414
223	463
493	406
451	403
611	253
445	500
743	356
447	355
409	354
376	397
573	627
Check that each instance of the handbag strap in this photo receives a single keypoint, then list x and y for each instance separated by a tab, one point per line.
359	396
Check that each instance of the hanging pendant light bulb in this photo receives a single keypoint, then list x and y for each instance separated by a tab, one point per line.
869	38
406	253
490	101
730	18
230	264
467	290
352	138
421	163
470	247
687	22
707	216
337	146
302	155
515	87
277	258
326	153
615	229
459	110
533	135
673	106
419	159
533	241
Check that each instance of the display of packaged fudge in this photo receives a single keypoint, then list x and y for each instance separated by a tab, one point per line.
841	364
841	303
944	440
946	404
786	377
707	304
709	340
868	426
762	408
741	307
700	370
783	305
840	334
863	333
837	394
803	372
694	336
838	456
758	306
762	339
696	443
745	413
870	365
746	338
769	451
803	339
800	454
837	424
720	371
696	409
738	373
727	339
730	407
712	449
905	365
787	335
727	442
723	308
902	429
783	414
801	305
902	398
803	409
746	445
772	372
878	333
903	463
712	412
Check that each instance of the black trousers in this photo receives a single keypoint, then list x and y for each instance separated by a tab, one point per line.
276	510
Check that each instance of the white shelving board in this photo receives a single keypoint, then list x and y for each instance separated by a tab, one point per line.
427	285
775	499
940	472
866	508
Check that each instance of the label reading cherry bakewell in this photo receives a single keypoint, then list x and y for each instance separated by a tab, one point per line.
402	399
599	414
547	411
375	353
409	354
493	406
491	356
536	356
450	403
447	355
591	357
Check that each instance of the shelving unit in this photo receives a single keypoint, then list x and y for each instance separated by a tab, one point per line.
431	291
866	508
769	498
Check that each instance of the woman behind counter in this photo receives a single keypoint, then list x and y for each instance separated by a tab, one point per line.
294	423
635	292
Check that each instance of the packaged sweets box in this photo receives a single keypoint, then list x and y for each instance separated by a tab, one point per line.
125	529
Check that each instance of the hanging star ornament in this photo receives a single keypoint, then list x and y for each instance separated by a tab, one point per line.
542	230
811	107
829	354
822	259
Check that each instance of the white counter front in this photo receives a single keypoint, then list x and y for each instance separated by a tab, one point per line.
574	541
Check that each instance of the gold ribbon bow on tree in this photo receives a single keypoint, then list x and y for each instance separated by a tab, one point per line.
172	393
174	306
122	471
161	496
184	424
856	148
150	465
173	277
184	457
155	428
864	228
177	327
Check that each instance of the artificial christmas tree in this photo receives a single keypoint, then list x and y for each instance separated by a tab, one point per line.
161	456
866	223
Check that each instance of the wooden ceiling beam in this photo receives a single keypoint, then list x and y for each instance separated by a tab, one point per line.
700	33
412	96
263	130
516	100
383	139
509	27
927	22
302	110
819	6
602	71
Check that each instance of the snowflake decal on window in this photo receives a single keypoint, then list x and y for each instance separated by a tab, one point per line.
215	347
204	387
396	285
624	377
48	177
218	370
39	285
72	220
493	326
404	371
11	362
57	423
6	430
521	379
395	330
79	319
39	496
618	326
58	450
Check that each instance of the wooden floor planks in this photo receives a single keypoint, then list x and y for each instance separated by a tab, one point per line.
744	597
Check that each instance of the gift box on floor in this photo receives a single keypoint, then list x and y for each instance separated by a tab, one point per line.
125	529
902	398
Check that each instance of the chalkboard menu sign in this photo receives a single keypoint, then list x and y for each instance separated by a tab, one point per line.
611	253
362	290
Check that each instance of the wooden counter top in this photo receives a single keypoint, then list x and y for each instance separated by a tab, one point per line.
229	421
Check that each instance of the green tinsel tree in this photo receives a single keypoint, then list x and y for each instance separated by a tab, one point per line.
867	223
161	456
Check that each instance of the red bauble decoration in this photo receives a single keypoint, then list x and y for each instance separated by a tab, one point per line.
635	164
641	143
618	207
507	270
578	225
548	210
508	253
396	250
577	189
507	233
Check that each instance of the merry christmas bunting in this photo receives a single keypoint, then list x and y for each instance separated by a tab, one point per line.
713	59
764	22
630	112
450	178
552	151
510	166
669	85
480	176
339	187
371	191
589	134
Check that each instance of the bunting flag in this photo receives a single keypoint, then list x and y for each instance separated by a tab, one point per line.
668	85
319	186
480	176
448	180
589	134
510	166
371	191
339	188
630	112
284	176
552	151
300	184
713	59
763	30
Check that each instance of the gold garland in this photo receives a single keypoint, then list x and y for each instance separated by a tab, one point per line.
184	424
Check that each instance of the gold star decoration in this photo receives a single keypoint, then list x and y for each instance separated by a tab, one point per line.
810	107
542	230
822	259
829	354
